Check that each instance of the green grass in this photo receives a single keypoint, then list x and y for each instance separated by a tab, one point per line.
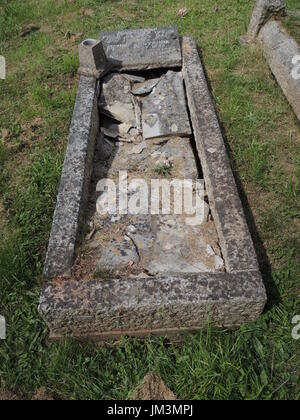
260	361
163	170
292	23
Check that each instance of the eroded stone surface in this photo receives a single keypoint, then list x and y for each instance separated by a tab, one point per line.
143	49
117	255
142	306
164	110
144	157
235	239
73	190
180	248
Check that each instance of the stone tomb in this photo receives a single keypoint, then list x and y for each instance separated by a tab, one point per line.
140	272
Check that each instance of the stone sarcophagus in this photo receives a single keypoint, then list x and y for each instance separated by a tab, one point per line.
149	234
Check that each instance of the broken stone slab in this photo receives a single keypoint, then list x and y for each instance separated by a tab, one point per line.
165	109
264	10
92	58
117	255
145	87
143	49
181	248
114	130
115	99
283	55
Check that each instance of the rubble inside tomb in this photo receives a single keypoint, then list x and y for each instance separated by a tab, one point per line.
146	131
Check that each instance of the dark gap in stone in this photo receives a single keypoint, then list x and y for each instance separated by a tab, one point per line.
192	139
152	73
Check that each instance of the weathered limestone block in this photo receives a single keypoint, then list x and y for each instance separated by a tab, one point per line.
281	51
111	308
263	11
92	58
74	180
165	110
235	239
143	49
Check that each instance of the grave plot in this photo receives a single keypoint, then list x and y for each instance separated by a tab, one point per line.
140	242
145	132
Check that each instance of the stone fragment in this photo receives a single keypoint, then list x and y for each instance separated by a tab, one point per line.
201	216
134	78
115	128
263	11
145	87
139	148
137	105
2	328
182	12
92	58
165	109
117	255
143	49
131	229
144	236
117	131
115	99
210	251
153	388
219	263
